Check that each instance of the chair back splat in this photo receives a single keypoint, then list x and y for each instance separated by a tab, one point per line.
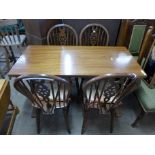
62	34
94	35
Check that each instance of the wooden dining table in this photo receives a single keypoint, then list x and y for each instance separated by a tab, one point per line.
75	61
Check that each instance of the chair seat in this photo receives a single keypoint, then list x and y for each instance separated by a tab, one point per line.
12	40
103	106
58	104
146	96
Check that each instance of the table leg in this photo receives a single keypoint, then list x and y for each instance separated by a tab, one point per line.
33	114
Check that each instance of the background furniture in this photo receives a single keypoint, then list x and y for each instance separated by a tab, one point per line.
105	93
37	34
76	61
112	26
146	92
7	109
132	34
94	35
4	62
62	34
47	93
10	37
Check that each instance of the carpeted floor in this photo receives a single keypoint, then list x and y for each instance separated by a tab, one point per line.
97	124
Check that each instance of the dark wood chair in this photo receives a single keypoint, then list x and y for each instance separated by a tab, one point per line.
105	93
146	92
46	93
134	34
62	34
94	35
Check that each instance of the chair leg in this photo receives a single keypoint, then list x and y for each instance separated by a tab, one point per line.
12	106
112	120
7	58
79	89
25	43
1	74
85	118
139	117
20	49
13	56
14	110
77	85
38	119
65	111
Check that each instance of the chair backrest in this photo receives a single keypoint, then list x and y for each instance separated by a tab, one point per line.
105	92
94	35
146	48
9	32
132	35
45	92
147	61
62	34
